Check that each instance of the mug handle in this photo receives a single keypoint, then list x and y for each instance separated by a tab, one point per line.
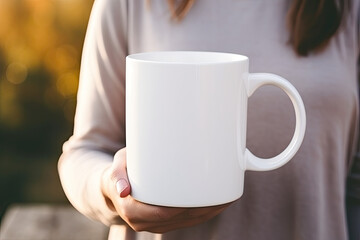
253	82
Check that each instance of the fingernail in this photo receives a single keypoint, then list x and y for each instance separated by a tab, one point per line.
121	185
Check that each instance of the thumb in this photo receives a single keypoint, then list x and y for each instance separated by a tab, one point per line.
119	175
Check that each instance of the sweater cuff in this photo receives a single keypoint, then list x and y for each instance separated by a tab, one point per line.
101	211
80	174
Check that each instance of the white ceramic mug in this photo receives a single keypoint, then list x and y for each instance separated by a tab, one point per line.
186	118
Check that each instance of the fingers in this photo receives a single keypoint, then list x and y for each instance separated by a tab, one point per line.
119	175
162	219
192	217
136	212
199	212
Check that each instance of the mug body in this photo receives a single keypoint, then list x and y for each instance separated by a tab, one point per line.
186	127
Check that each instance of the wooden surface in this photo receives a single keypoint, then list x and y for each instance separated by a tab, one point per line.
49	222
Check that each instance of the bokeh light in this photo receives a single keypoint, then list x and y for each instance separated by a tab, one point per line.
40	51
16	73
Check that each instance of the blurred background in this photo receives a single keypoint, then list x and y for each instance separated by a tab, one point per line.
40	50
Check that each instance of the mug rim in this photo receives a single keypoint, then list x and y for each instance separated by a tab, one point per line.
187	57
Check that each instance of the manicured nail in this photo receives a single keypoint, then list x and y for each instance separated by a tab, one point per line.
121	185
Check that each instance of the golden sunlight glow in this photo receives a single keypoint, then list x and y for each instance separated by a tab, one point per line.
40	50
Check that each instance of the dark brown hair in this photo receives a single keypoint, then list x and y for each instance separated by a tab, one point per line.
311	23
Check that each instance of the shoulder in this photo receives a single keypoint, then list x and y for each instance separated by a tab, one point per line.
109	18
109	9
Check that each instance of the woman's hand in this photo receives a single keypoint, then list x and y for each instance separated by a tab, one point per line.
144	217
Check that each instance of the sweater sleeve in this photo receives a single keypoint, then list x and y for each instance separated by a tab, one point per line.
99	128
353	181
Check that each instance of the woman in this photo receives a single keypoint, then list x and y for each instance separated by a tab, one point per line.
314	44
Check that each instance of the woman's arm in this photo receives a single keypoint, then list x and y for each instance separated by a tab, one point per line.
353	182
99	129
